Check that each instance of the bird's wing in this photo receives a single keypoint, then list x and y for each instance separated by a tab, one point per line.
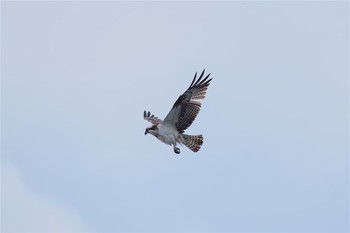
151	118
186	107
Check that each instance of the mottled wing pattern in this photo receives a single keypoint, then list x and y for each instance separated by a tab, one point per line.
186	107
151	118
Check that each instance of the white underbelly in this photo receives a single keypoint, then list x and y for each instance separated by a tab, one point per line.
167	135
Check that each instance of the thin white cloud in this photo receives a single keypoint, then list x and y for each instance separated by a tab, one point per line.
23	210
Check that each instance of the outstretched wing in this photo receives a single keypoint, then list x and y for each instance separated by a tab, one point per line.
151	118
186	107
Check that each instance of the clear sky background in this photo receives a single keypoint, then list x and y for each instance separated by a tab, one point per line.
77	76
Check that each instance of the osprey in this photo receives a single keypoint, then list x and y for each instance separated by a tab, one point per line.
184	111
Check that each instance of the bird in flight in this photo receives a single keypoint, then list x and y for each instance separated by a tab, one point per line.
184	111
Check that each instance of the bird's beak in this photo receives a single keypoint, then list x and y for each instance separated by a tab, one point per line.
146	131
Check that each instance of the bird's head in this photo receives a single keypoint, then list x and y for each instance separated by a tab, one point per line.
153	129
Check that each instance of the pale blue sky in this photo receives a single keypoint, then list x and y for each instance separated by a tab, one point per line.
76	77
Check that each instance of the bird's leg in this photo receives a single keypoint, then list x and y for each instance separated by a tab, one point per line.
176	150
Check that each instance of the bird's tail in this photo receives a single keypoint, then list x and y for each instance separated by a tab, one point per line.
193	142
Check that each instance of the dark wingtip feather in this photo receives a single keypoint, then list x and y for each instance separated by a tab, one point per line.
202	73
205	81
208	82
200	81
194	78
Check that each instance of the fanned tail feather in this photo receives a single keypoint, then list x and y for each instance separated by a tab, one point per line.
194	143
